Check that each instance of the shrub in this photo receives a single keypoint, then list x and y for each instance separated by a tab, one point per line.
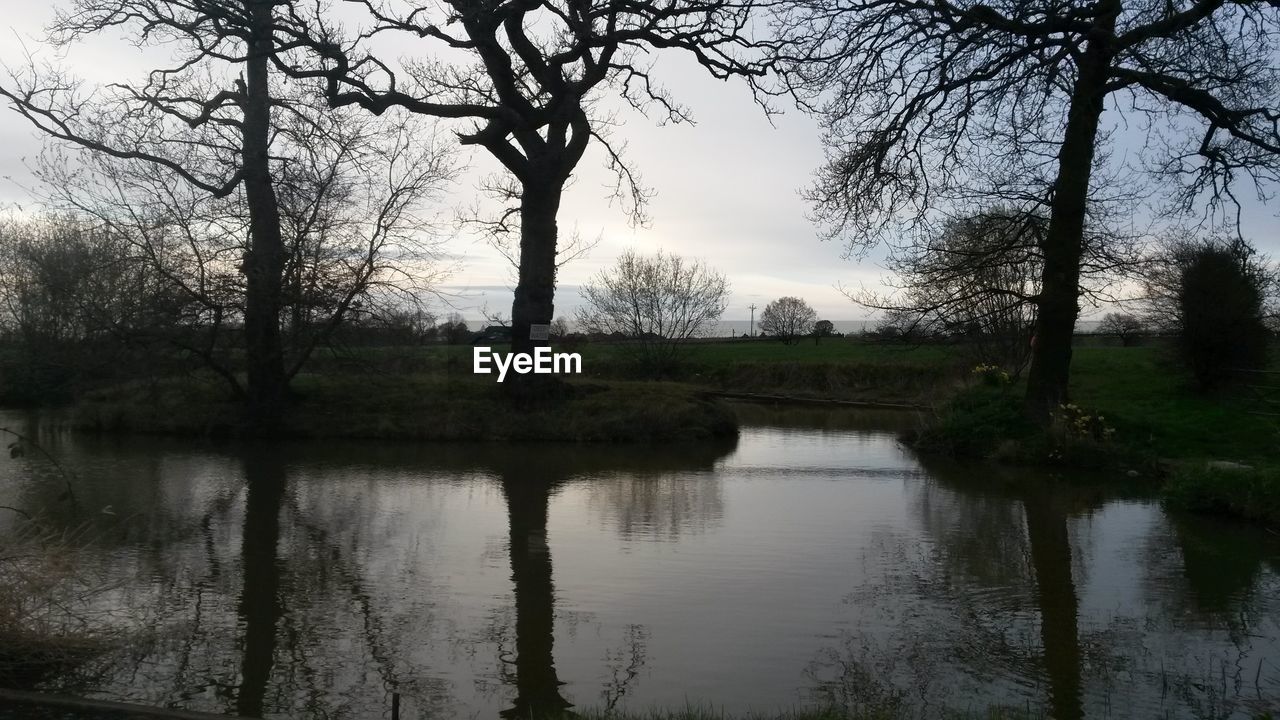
986	421
991	375
657	303
975	423
1219	294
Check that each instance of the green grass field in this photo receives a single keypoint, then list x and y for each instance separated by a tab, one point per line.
837	368
1149	400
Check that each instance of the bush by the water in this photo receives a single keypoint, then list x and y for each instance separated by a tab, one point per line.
1248	492
986	421
975	423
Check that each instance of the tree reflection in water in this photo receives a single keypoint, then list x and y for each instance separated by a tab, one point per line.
528	496
633	479
288	579
260	607
992	608
988	571
313	580
1056	596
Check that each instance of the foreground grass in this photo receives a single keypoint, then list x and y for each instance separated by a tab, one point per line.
419	408
1144	397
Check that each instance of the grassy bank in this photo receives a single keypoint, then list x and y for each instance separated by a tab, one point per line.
415	407
1136	409
1252	493
1133	409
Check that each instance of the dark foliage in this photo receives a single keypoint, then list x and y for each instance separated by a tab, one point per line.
1220	305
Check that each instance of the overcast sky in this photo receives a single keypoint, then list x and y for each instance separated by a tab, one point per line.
726	189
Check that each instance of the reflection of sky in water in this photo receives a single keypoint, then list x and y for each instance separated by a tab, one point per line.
816	560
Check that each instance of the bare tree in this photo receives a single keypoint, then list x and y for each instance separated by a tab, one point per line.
352	193
930	105
659	302
974	281
205	118
788	319
526	84
1124	326
66	286
559	328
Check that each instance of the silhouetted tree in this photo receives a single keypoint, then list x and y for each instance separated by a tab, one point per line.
528	76
1122	325
1162	275
975	280
787	318
1220	308
658	301
929	105
67	290
351	194
206	118
823	328
454	329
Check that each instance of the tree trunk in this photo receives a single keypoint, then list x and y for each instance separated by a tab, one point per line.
1058	304
264	262
535	291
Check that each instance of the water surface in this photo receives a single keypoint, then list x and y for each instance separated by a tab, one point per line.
813	561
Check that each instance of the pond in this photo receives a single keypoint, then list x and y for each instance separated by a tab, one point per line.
814	561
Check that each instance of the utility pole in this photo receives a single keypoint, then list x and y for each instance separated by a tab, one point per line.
753	319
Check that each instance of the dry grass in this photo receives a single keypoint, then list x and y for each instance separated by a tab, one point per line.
49	610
